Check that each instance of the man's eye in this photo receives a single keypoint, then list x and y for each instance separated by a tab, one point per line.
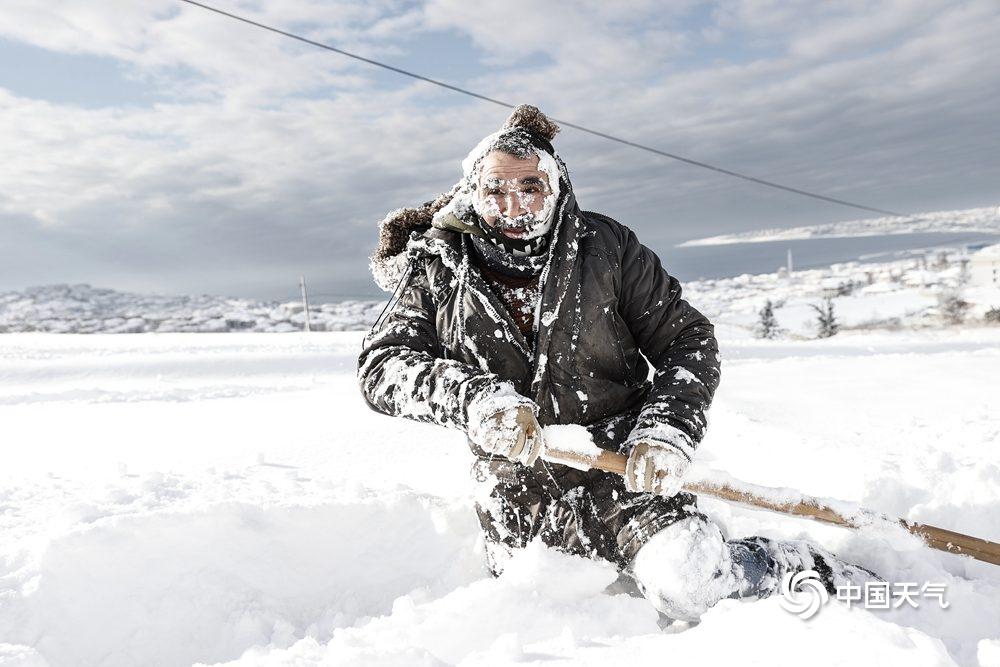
530	188
492	192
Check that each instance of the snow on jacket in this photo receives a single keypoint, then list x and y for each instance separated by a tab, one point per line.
448	353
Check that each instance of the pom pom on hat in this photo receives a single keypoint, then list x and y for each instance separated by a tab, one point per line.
530	118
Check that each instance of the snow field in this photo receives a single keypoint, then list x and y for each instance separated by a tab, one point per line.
173	499
86	309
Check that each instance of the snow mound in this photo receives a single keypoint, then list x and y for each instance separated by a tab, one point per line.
12	655
989	653
543	595
550	607
172	588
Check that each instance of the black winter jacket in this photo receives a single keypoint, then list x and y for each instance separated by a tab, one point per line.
608	311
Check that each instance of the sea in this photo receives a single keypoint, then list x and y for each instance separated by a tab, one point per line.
722	261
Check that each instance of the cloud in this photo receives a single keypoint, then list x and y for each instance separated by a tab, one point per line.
270	158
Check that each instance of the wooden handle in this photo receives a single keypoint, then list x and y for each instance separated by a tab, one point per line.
811	508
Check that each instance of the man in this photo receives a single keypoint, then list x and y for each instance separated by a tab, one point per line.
516	310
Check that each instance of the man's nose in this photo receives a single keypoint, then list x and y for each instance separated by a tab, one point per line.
512	205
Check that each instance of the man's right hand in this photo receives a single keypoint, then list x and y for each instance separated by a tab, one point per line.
513	433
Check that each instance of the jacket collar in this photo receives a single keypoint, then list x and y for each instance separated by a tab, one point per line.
558	278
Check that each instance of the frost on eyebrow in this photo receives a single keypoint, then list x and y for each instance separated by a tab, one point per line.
496	182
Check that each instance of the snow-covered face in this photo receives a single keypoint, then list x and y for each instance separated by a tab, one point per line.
514	196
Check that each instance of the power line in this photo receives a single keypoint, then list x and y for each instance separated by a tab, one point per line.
581	128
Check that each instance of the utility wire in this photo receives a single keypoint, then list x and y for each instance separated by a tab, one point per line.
581	128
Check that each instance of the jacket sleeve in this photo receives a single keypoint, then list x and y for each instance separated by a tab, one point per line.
402	373
678	341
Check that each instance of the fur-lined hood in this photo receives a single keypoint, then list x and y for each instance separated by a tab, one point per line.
388	261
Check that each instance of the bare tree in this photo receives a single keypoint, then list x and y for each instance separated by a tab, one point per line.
953	307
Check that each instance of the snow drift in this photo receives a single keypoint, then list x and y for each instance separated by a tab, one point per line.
179	499
171	588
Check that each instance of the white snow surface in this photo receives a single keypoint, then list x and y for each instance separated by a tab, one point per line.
900	294
186	498
571	439
86	309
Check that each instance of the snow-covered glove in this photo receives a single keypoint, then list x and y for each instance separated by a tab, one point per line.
655	468
513	433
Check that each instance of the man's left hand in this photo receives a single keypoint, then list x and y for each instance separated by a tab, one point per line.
513	433
655	468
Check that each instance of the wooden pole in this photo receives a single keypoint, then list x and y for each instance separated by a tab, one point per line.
807	507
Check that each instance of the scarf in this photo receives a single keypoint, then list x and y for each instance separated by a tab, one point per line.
498	259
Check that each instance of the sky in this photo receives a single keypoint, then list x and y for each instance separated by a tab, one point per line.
154	146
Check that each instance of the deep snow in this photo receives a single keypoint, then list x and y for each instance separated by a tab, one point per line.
173	499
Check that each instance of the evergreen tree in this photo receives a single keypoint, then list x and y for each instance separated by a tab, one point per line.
826	321
767	323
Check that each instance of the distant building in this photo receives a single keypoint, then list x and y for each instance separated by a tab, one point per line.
831	287
984	267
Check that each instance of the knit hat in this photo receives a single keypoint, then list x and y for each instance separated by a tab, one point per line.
526	132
